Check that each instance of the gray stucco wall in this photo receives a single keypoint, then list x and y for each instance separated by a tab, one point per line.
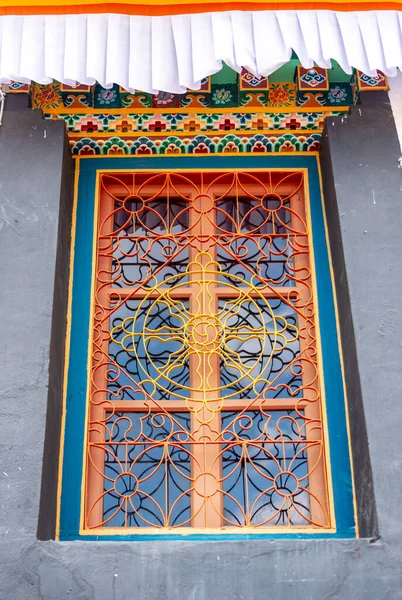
362	151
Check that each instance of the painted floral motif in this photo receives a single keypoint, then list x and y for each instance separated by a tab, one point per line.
85	147
209	120
338	95
201	148
261	122
91	124
157	123
282	94
143	146
48	96
172	149
124	125
244	119
172	145
192	123
199	144
116	150
236	90
227	123
106	97
230	144
165	100
297	121
171	122
115	146
287	147
222	96
314	146
73	121
174	119
259	146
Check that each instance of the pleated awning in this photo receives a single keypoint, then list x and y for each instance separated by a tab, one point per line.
175	52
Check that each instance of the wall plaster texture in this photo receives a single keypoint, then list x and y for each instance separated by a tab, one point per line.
35	192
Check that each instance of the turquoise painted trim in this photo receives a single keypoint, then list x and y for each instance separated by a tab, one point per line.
77	370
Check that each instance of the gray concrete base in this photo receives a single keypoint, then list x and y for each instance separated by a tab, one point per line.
305	570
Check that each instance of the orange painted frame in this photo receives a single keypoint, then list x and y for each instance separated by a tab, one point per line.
311	407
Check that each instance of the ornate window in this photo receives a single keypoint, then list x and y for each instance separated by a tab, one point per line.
205	407
203	375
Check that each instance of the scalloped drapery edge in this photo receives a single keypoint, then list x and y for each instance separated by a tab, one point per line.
174	53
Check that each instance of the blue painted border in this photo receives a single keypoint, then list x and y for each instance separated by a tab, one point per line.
77	370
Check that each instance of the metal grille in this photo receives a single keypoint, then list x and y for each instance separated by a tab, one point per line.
205	406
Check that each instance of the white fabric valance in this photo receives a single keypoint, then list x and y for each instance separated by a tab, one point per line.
173	53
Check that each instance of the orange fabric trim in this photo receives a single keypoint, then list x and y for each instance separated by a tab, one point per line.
162	7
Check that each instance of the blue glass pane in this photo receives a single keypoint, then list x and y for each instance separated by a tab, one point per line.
148	350
260	348
265	469
147	470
